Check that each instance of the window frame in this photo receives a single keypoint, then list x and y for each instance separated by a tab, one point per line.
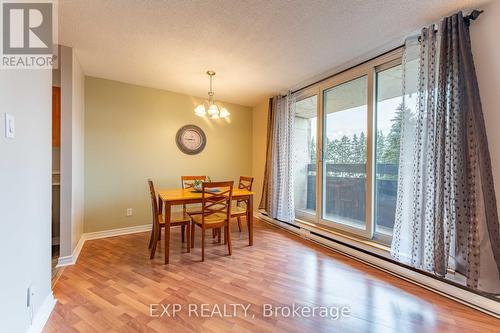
299	96
379	236
369	69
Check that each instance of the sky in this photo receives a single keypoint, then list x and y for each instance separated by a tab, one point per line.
353	121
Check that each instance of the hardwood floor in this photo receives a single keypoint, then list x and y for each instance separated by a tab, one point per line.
111	288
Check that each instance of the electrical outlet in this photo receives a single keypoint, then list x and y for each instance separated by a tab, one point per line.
30	295
129	211
10	126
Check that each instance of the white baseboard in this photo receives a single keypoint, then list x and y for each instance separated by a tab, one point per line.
460	295
116	232
43	314
71	260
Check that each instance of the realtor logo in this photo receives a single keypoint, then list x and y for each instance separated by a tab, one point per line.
27	34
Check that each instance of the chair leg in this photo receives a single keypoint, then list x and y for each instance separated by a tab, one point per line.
188	236
151	237
193	226
156	234
183	229
239	223
202	244
214	233
228	238
218	235
159	234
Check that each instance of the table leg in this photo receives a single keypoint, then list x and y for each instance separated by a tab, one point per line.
250	220
167	216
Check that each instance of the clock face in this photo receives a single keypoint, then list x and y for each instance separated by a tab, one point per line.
191	139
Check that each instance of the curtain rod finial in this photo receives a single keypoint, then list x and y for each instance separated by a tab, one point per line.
473	15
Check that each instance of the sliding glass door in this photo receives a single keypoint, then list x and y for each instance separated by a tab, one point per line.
347	149
345	155
389	112
305	148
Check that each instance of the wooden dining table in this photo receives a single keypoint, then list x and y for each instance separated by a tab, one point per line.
179	196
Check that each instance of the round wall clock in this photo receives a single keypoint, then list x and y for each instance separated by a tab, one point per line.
191	139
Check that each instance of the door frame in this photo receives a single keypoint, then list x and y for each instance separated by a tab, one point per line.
369	69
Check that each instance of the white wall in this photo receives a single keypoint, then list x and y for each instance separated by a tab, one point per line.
72	151
78	103
130	137
25	195
486	51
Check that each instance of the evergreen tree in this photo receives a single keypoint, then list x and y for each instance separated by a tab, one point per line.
312	151
330	150
391	151
380	147
362	148
334	151
345	150
355	149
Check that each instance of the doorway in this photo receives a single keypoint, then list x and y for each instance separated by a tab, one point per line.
56	176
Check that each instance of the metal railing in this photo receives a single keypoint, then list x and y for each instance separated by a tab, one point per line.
345	189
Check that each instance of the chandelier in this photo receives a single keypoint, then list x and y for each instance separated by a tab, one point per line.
210	107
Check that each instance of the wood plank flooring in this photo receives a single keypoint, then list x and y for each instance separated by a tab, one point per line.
111	288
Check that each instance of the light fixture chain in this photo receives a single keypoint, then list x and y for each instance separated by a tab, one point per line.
213	110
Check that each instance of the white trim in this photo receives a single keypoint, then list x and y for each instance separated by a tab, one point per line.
117	232
460	295
43	314
71	260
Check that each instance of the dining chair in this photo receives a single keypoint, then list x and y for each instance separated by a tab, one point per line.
176	219
187	183
215	212
240	209
192	209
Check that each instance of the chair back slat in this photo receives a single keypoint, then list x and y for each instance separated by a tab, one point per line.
188	181
217	202
245	183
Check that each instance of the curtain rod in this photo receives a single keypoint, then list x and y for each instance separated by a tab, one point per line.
471	17
344	70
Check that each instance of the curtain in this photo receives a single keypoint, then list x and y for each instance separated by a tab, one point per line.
446	205
265	200
277	193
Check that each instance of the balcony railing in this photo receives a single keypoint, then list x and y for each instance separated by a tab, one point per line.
345	186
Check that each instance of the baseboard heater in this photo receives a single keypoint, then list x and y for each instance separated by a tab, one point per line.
484	303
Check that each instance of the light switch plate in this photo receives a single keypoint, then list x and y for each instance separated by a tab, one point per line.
10	126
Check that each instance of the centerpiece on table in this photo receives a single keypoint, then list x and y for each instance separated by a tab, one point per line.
198	184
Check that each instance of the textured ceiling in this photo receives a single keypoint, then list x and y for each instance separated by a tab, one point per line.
258	47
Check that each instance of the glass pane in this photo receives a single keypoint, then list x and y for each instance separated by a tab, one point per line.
344	167
389	111
305	155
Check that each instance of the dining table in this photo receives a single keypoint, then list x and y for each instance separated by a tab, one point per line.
180	196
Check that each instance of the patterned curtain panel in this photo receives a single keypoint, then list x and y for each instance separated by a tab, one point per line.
277	195
265	200
446	216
